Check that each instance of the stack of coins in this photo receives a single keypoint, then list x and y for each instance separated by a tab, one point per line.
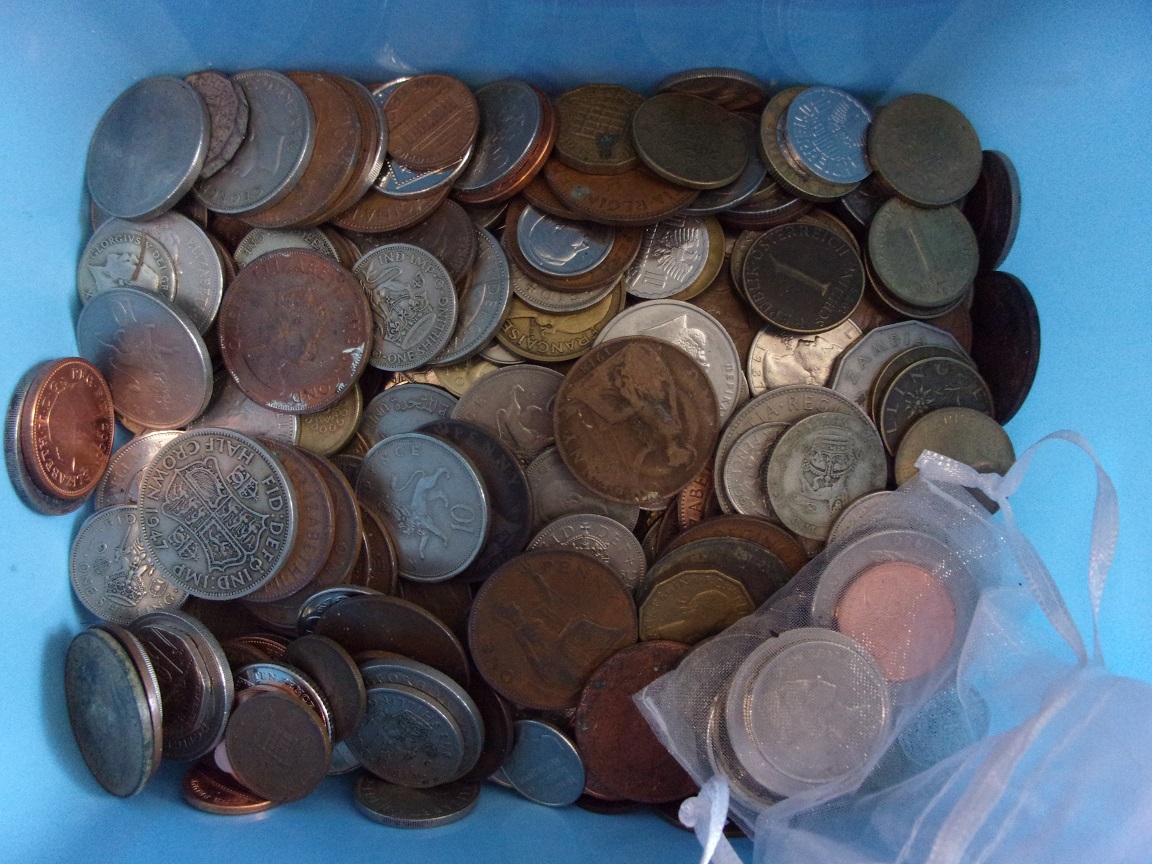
616	364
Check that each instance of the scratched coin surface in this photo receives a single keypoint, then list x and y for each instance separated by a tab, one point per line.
671	256
227	113
217	513
595	125
743	476
405	409
689	141
122	254
260	241
517	404
482	303
231	409
121	482
199	272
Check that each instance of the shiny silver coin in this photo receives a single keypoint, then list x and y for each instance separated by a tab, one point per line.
401	807
404	409
599	537
282	675
121	482
510	121
399	181
122	254
556	493
562	247
433	503
319	603
199	271
743	475
778	358
548	299
826	130
672	255
481	304
231	409
260	241
516	404
544	765
217	513
148	148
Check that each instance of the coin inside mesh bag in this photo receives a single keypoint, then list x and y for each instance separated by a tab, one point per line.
211	790
150	353
432	121
940	382
148	148
594	132
689	141
1005	339
403	807
227	114
544	765
825	129
756	568
968	436
599	537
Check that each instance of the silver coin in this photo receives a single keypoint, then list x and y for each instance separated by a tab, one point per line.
672	255
148	148
544	765
413	305
778	357
110	572
860	363
275	152
151	355
945	725
123	254
807	708
722	758
497	354
217	513
819	466
694	331
562	247
216	703
481	304
121	482
826	131
259	241
717	79
399	181
556	493
602	538
516	404
303	687
743	475
408	738
400	807
859	516
199	272
549	300
319	603
433	503
404	409
344	761
231	409
712	201
510	121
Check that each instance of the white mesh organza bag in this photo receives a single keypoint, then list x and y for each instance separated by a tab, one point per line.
918	693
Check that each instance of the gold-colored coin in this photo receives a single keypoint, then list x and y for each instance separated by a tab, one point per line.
328	431
595	128
548	337
458	378
693	605
712	265
963	434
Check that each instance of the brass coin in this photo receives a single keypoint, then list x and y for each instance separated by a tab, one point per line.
636	197
759	570
432	121
693	605
967	436
689	141
326	432
551	337
773	150
926	385
595	128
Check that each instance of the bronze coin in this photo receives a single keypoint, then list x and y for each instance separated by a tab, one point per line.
623	759
210	790
66	427
432	121
772	537
275	647
373	144
384	574
391	624
733	89
774	152
540	195
315	526
296	331
241	654
803	278
542	623
595	128
926	385
690	141
1005	339
334	157
958	323
447	233
924	150
993	208
337	676
722	301
229	230
376	212
872	312
636	420
697	501
637	197
449	601
277	746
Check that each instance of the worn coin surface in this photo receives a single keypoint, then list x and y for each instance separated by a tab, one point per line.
601	538
940	382
557	493
758	569
121	481
403	807
733	89
405	409
743	475
636	197
691	605
337	676
260	241
122	254
553	337
544	765
759	531
511	118
689	141
211	790
517	404
199	272
898	364
742	188
1005	339
778	357
277	746
672	256
546	299
968	436
595	123
482	304
327	431
447	234
432	121
231	409
227	114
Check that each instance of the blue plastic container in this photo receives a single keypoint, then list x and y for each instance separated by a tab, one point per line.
1063	89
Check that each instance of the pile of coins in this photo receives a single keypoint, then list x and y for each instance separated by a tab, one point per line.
460	416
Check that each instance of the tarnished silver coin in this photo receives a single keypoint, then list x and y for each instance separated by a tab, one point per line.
259	241
401	807
556	493
151	355
481	305
925	386
778	357
562	247
217	513
122	254
148	148
413	304
548	299
231	409
858	516
826	130
602	538
743	475
404	409
110	572
199	271
821	465
516	404
672	254
275	152
121	482
544	765
319	603
291	678
510	120
432	501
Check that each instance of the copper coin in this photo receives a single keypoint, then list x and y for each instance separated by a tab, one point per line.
448	601
772	537
334	156
66	428
595	128
499	733
337	676
733	89
296	331
690	141
872	312
637	197
993	208
432	121
958	323
373	148
210	790
376	212
636	420
1005	339
940	382
542	623
540	195
902	614
277	746
315	526
384	573
447	234
722	301
227	114
697	501
391	624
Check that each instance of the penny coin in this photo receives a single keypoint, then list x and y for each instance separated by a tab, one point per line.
275	152
432	121
599	537
148	148
66	428
277	747
638	197
372	150
482	304
774	150
632	420
432	500
122	254
733	89
405	409
211	790
413	304
337	676
743	476
993	208
623	759
231	409
763	533
260	241
516	403
447	234
540	195
449	601
697	501
228	116
692	605
327	431
544	765
924	150
819	466
556	493
967	436
1005	340
378	557
713	201
274	675
576	611
377	212
511	120
217	513
403	807
689	141
826	130
594	134
150	353
778	358
120	483
940	382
